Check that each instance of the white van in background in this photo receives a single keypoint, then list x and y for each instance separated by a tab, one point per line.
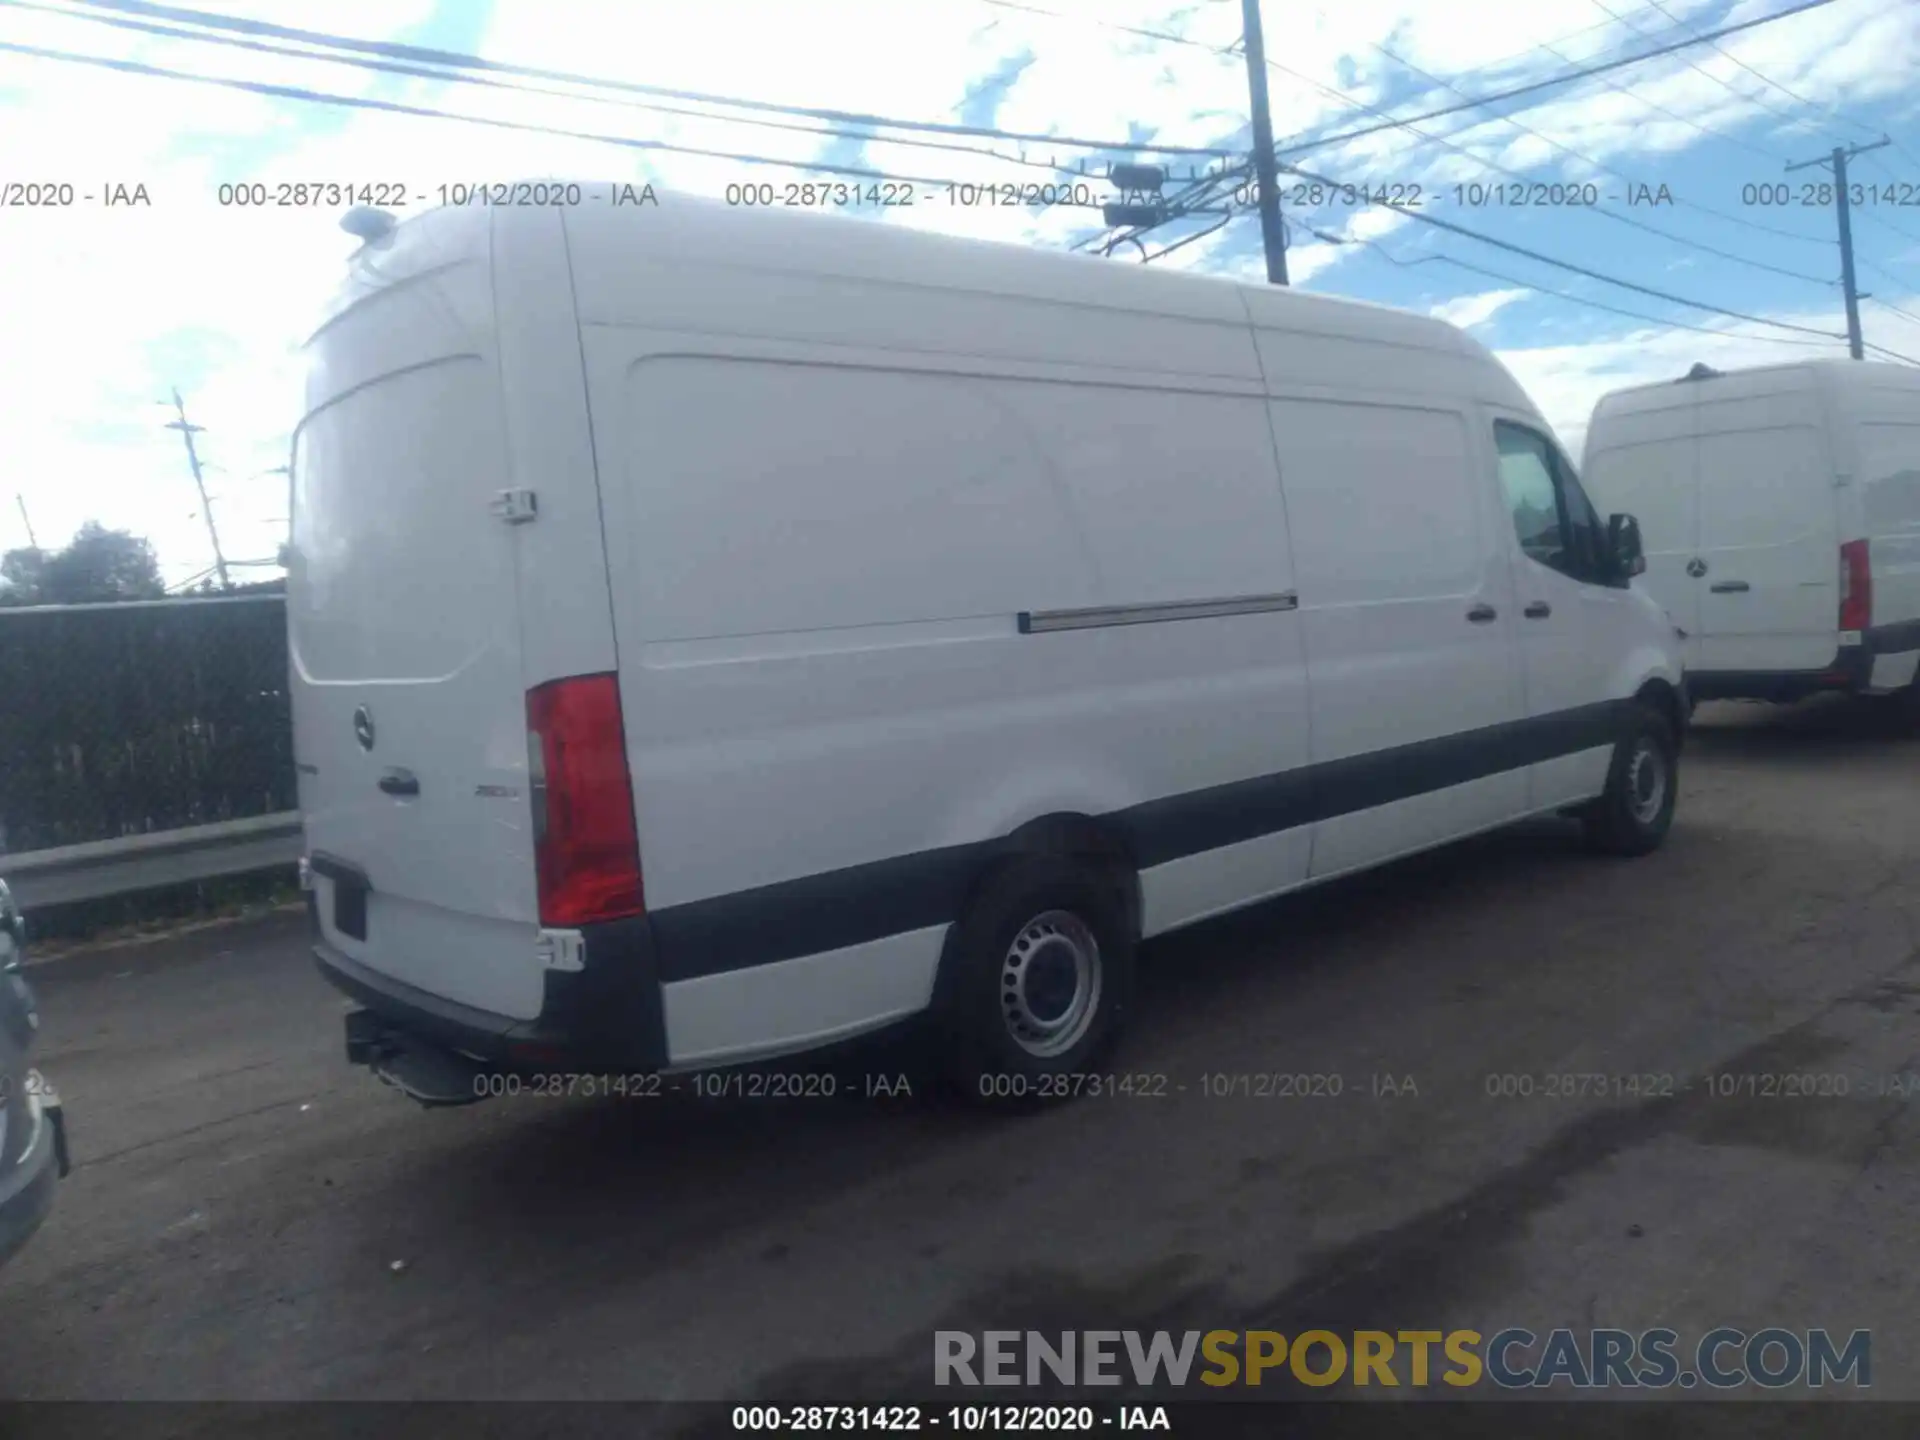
1781	511
717	633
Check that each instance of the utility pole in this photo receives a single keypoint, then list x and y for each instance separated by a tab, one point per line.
33	542
200	483
1838	160
1265	170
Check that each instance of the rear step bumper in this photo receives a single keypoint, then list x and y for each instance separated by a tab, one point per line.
604	1017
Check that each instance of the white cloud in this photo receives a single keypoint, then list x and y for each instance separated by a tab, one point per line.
1466	311
1566	380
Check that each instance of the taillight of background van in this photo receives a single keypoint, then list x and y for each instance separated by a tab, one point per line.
1856	586
586	849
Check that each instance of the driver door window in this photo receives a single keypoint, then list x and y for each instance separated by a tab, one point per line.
1555	522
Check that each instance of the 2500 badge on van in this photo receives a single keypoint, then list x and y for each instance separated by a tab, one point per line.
718	637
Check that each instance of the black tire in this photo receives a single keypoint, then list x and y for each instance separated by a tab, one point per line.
1904	705
1632	816
995	1004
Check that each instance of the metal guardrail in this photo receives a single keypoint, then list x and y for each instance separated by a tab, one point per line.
141	862
120	607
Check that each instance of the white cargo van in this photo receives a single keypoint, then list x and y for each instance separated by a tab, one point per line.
1781	509
718	633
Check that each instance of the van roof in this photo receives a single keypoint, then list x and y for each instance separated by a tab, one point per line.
1751	382
790	238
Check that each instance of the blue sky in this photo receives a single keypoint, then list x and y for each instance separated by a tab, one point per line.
104	310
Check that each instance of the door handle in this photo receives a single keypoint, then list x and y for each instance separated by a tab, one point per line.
399	782
1538	610
1481	614
1696	567
1729	587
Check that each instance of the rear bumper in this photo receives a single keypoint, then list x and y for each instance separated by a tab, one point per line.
1851	670
606	1016
26	1193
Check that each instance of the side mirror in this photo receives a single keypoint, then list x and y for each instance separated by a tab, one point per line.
1624	544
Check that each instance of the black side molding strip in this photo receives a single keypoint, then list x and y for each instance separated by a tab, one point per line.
1895	639
863	903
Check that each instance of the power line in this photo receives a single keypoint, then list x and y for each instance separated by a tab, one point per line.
1586	159
1497	167
1554	81
1694	38
1891	354
1568	265
1567	295
1573	268
1228	52
1889	305
1187	240
401	68
1579	72
1832	110
1114	25
1703	71
1706	130
1883	273
1881	220
1763	79
362	102
1711	132
394	67
460	61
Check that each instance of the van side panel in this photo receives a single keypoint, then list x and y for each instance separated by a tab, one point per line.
1386	508
820	554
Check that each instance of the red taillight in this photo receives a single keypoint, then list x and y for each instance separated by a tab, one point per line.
587	853
1856	586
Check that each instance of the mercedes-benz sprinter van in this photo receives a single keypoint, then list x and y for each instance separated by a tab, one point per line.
1781	509
719	633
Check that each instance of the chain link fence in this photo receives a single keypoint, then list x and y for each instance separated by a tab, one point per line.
125	719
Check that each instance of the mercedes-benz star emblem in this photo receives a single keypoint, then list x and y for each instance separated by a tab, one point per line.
363	727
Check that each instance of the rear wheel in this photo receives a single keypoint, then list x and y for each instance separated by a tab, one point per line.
1036	980
1633	814
1905	705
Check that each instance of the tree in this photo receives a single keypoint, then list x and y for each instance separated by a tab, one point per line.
24	573
98	564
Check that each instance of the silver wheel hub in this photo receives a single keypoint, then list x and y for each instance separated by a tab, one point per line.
1050	983
1646	782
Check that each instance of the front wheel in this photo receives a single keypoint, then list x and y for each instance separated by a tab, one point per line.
1632	816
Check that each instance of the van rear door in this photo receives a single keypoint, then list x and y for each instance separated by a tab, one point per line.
410	723
1769	539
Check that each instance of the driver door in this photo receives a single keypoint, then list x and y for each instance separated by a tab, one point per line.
1575	619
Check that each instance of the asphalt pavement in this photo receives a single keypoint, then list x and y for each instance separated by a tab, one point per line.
251	1218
